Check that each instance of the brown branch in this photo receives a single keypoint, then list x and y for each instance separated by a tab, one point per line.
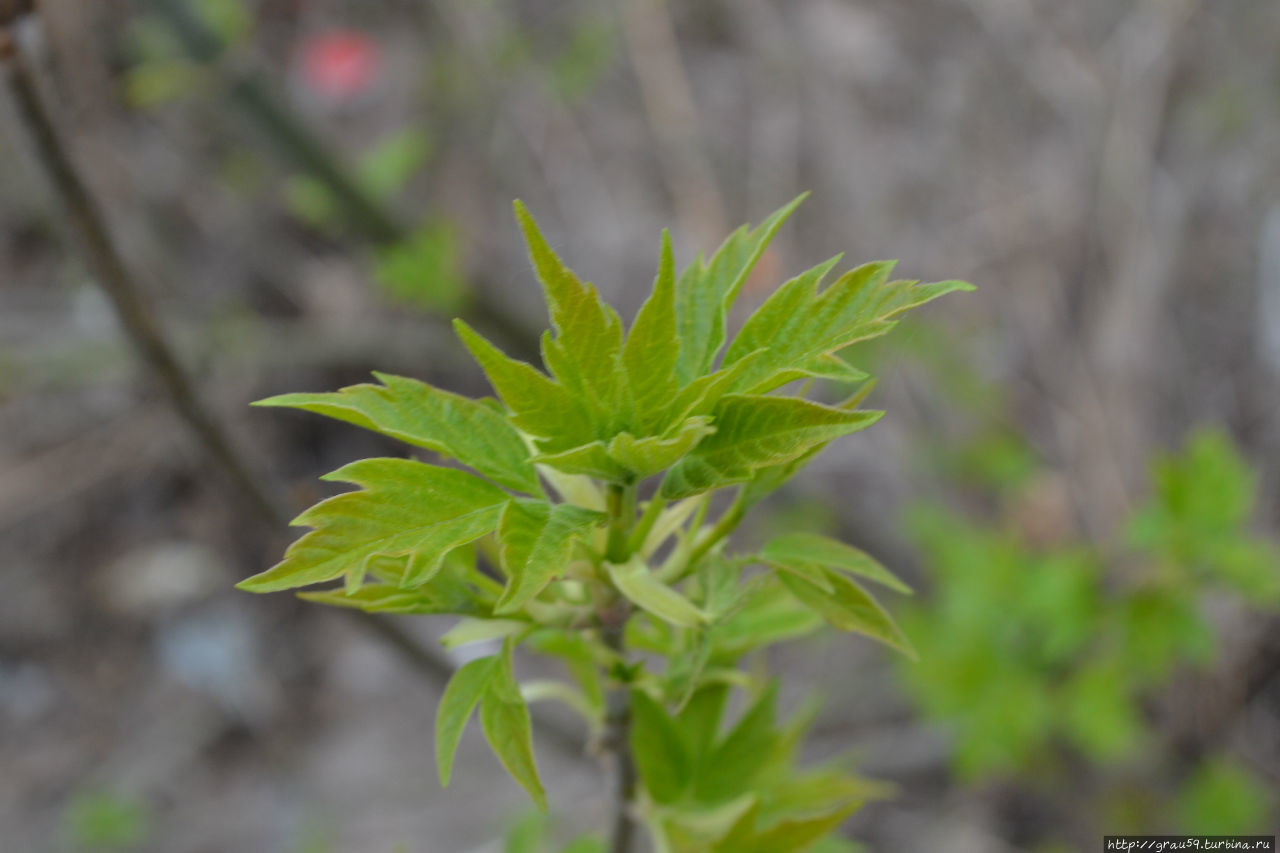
100	253
144	332
299	146
617	743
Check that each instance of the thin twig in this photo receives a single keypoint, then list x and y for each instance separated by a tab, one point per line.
299	146
144	332
126	297
617	742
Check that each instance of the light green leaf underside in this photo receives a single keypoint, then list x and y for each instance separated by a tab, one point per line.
460	698
414	412
639	585
642	457
391	598
850	608
800	325
504	716
536	541
757	431
767	616
585	354
588	460
706	291
403	507
807	553
469	631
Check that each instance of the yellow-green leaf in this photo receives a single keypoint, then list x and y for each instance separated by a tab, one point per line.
643	457
414	412
403	507
653	347
806	553
758	431
460	698
638	583
504	716
798	326
539	406
536	540
661	754
585	354
706	291
850	608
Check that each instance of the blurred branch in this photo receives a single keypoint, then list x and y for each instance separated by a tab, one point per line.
301	147
142	329
126	296
673	118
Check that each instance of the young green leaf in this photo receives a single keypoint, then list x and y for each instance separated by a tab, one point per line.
798	326
460	698
731	766
849	608
794	836
586	353
391	598
526	835
504	716
764	618
588	460
579	657
470	631
756	431
402	507
706	291
539	405
414	412
699	719
638	583
653	347
661	754
536	540
647	456
804	554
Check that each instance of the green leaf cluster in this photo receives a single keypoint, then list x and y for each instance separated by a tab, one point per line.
1027	648
711	786
574	508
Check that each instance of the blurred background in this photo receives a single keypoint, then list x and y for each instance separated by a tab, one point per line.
1078	471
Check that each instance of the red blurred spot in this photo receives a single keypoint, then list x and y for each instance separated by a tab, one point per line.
339	64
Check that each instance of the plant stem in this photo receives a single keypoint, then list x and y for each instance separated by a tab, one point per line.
621	502
641	531
617	741
725	525
614	611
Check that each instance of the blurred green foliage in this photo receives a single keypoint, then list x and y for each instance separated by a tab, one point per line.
1223	798
382	172
161	71
1028	647
530	834
425	271
106	820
